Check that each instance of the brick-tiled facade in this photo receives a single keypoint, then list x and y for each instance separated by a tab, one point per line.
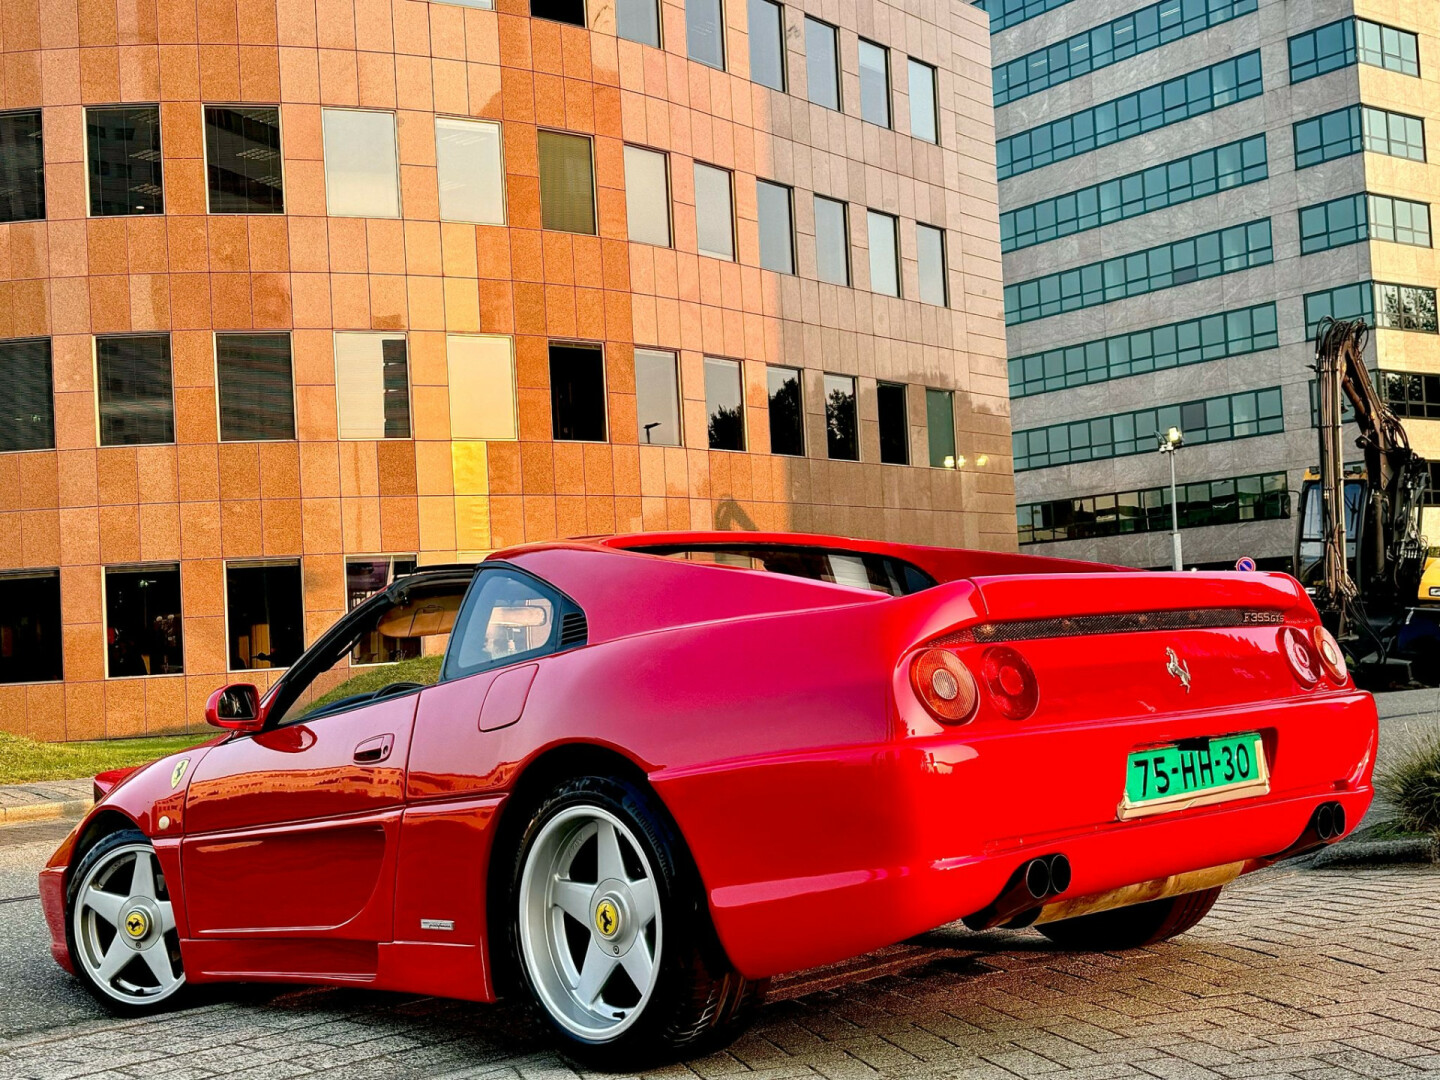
201	502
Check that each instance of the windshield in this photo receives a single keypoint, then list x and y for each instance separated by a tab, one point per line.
855	569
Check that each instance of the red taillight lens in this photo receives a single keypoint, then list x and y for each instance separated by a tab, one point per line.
1331	655
944	686
1304	661
1011	682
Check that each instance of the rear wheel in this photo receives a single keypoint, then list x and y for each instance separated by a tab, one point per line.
121	926
611	931
1131	927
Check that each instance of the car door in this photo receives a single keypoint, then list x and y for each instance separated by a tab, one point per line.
293	830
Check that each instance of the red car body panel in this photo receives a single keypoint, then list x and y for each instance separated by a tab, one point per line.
775	720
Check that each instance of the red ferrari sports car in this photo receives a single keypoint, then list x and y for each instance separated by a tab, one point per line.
634	777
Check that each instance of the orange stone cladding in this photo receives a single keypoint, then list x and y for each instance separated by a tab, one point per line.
200	501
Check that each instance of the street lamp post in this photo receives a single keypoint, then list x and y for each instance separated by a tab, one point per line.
1171	441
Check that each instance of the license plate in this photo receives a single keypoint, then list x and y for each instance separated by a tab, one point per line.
1194	774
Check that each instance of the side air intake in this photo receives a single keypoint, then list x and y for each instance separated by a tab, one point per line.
573	629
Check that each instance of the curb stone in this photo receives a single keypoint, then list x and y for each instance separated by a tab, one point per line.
1378	853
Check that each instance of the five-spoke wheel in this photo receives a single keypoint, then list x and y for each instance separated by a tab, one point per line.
122	924
611	931
590	924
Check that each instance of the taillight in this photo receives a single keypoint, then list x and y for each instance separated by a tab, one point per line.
944	686
1011	681
1304	660
1330	655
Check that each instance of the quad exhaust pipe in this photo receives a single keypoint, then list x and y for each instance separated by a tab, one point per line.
1030	887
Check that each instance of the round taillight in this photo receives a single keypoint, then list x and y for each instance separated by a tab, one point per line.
1304	661
944	686
1011	682
1331	655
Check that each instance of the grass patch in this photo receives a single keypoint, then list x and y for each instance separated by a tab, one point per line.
424	670
1412	786
25	761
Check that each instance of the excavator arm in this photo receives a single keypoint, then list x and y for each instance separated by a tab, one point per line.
1394	553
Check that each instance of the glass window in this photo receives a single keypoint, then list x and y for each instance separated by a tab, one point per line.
1150	189
657	397
884	257
705	32
724	404
363	579
787	423
842	434
940	427
894	426
22	168
565	11
1399	221
123	150
1393	133
822	63
1230	333
924	115
242	159
934	278
1006	13
362	177
255	386
142	621
767	43
137	404
1332	135
567	183
1340	44
1236	416
1387	47
638	20
508	617
264	614
874	83
647	196
714	219
1333	224
777	234
471	170
1139	31
372	386
1170	102
577	393
30	627
1210	255
27	402
832	241
482	386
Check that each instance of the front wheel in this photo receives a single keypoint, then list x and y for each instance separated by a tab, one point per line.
121	926
611	930
1131	927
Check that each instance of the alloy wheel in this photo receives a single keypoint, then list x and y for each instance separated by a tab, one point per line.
124	927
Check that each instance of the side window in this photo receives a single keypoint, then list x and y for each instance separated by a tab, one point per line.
508	617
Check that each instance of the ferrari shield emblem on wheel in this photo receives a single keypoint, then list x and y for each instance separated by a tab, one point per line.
607	918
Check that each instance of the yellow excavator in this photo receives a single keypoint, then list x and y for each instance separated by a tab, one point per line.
1359	551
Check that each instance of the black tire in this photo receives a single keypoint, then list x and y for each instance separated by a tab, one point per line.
1131	927
700	1001
97	853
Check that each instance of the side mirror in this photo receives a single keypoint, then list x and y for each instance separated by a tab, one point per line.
236	708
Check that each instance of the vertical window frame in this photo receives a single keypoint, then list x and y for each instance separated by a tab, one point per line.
330	210
89	186
401	335
205	106
95	341
594	190
889	122
504	191
289	336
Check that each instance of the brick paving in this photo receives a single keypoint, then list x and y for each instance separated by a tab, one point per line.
1324	975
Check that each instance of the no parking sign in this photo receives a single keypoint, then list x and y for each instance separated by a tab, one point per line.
1245	564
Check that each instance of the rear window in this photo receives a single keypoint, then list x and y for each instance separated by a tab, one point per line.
856	569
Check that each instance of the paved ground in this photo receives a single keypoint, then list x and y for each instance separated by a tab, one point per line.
1321	975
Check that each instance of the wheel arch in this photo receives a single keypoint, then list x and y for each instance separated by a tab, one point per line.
551	767
102	823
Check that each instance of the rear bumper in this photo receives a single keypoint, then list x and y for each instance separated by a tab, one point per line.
845	852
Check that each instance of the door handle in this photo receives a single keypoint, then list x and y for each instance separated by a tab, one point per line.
373	751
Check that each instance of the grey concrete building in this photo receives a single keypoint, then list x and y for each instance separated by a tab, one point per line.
1185	188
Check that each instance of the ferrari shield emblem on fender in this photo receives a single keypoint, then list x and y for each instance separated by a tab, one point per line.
178	773
1178	668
